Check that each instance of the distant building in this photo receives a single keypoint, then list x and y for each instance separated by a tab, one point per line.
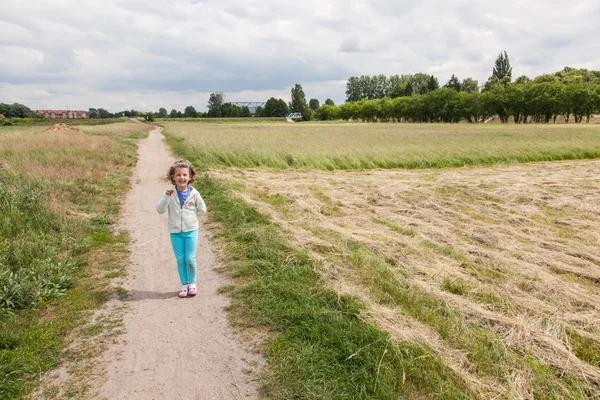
64	114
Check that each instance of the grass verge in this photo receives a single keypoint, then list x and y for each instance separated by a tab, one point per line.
59	193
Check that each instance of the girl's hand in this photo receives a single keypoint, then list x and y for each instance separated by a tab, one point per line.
169	191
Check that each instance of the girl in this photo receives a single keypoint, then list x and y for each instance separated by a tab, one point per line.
184	209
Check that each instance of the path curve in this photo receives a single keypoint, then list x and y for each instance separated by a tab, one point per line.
173	348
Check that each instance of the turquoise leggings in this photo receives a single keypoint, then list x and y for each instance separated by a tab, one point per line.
184	247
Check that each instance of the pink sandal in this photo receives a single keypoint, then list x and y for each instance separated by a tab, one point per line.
183	293
192	291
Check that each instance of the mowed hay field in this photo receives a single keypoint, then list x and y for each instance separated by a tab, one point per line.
494	270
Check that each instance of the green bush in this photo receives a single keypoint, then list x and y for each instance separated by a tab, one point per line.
33	240
22	120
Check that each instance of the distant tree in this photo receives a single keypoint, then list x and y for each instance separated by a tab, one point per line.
102	113
329	102
275	108
226	110
245	112
259	112
502	68
162	112
380	86
298	100
522	80
216	100
313	104
93	113
16	110
408	89
283	107
149	116
269	107
432	83
469	85
546	78
453	83
180	114
353	89
327	112
173	113
190	112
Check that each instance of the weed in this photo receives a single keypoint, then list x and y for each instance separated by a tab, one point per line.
456	286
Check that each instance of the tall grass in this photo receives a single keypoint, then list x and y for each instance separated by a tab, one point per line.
258	120
58	193
365	146
21	122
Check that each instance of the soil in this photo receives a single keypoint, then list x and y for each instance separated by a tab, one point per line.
63	128
173	348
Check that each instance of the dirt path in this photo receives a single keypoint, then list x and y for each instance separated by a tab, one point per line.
173	348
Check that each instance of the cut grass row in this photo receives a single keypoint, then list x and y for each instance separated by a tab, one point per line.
58	194
390	285
387	235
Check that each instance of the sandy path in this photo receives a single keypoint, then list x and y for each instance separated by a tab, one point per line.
173	348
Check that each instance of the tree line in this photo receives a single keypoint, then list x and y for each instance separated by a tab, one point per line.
274	107
539	102
571	93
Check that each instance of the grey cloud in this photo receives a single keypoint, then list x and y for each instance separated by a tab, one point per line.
350	45
146	46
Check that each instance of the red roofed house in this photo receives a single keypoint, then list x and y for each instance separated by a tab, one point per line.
66	114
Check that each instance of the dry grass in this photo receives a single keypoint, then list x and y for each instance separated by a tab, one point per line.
512	249
62	157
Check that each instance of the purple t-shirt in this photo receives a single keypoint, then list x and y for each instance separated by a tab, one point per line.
183	195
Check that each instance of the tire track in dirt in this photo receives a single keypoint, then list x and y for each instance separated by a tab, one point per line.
173	348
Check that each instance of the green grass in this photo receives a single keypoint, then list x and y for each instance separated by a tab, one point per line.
367	146
398	229
584	348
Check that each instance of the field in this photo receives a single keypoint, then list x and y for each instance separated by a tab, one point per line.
364	146
60	191
473	282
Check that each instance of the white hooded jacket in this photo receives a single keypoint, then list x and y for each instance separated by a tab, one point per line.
182	218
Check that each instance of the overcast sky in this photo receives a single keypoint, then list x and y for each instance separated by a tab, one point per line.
147	54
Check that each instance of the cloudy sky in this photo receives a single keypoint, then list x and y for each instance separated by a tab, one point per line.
147	54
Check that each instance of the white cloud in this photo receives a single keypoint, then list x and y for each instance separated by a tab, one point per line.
148	54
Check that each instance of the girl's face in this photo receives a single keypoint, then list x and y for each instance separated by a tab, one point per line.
181	177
